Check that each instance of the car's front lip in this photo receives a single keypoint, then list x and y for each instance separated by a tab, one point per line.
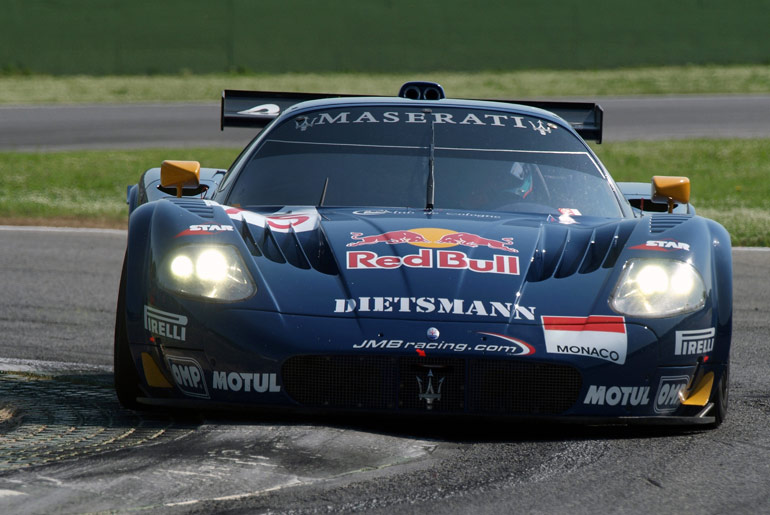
703	417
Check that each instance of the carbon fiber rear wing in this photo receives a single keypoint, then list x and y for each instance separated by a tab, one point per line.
258	108
587	118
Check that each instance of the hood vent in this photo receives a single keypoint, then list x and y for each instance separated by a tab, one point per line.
661	223
196	206
563	251
305	250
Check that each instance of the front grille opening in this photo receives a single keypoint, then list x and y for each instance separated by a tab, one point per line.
341	381
516	387
438	385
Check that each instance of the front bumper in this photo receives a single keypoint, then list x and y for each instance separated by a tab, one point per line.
245	359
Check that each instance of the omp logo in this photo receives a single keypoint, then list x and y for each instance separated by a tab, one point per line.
245	382
699	341
667	399
165	324
188	376
618	395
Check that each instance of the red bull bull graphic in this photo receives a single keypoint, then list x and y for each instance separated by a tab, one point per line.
432	237
426	258
391	238
474	240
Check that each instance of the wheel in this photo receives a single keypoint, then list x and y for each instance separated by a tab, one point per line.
126	376
719	397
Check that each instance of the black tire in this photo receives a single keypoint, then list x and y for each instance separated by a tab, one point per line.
126	376
720	397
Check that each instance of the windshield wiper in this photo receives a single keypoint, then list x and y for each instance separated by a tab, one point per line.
323	193
431	164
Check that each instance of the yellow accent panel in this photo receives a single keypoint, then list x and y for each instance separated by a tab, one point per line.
700	396
433	235
670	189
180	174
152	373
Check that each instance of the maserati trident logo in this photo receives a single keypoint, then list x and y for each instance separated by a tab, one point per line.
429	395
542	129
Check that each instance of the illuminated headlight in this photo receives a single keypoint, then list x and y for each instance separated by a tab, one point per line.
214	272
658	288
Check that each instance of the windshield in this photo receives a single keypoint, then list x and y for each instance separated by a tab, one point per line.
381	157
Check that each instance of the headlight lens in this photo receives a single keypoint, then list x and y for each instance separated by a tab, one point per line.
658	288
215	272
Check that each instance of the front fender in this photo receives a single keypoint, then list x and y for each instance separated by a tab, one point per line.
722	280
137	260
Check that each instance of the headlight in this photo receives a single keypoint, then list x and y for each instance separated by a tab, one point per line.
658	288
215	272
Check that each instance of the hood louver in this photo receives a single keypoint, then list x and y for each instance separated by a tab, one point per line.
562	251
661	223
305	250
196	206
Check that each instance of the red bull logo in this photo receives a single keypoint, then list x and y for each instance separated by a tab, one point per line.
432	237
425	258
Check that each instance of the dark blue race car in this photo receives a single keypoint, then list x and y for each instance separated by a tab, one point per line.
422	255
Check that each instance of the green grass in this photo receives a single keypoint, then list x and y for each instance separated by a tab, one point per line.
101	37
729	180
41	89
85	188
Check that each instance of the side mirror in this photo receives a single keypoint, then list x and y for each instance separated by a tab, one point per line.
670	189
180	174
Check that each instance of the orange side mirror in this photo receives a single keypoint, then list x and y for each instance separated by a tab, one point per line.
180	174
670	189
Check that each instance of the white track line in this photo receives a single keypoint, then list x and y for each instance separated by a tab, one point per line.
10	493
39	366
37	228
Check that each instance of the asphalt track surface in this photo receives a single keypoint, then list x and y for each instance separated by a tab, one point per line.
66	445
34	128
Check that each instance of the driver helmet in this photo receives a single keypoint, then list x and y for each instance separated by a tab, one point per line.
521	178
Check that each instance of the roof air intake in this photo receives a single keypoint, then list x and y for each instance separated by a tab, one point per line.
422	91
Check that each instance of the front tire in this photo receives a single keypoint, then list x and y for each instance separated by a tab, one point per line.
126	377
720	397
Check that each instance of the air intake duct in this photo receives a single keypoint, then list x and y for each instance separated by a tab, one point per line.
422	91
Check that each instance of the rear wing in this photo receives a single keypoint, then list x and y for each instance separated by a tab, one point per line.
258	108
587	118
